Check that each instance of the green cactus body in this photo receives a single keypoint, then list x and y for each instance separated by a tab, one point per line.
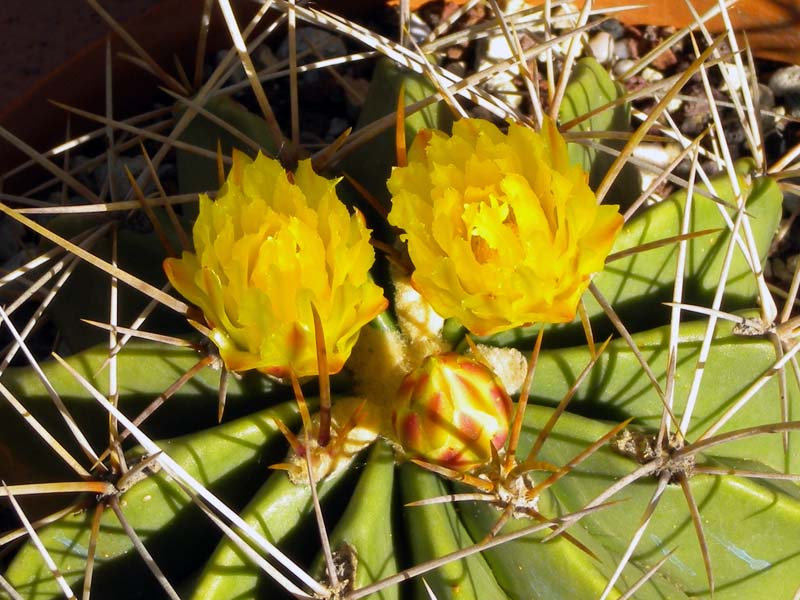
228	459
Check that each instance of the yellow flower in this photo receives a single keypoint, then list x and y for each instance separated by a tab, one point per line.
501	229
268	247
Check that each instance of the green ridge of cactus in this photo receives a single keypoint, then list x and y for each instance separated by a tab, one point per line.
229	459
746	496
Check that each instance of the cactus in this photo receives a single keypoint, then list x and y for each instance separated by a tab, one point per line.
564	399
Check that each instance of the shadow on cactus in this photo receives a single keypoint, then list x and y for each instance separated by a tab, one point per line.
503	387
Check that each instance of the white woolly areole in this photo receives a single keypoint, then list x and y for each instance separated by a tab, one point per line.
379	362
338	454
418	321
509	364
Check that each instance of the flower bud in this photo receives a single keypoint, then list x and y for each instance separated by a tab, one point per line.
451	411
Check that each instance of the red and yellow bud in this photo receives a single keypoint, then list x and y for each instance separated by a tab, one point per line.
451	411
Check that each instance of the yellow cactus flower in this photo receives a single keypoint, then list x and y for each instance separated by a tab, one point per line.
501	229
270	246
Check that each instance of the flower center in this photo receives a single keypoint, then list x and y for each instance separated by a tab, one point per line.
481	250
489	224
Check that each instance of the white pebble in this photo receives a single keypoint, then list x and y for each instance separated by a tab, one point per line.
602	46
623	66
418	28
496	50
765	96
651	75
658	155
733	77
785	81
655	158
621	49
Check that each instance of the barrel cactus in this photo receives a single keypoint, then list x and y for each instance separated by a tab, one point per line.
546	382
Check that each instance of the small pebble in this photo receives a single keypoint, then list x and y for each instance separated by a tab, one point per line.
780	122
622	49
734	77
496	50
657	157
766	101
674	105
418	28
785	81
792	103
622	66
650	75
602	46
613	27
765	96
